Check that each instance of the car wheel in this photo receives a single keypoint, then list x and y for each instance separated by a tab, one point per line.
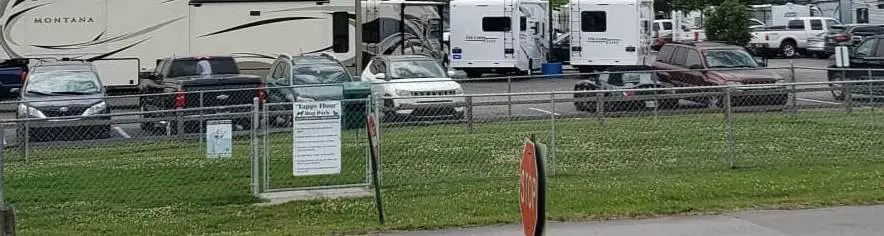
789	49
473	74
586	106
713	102
837	91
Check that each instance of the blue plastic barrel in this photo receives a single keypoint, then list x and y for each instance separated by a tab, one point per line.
552	70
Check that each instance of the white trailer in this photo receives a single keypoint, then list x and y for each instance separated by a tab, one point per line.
501	36
608	33
777	15
131	35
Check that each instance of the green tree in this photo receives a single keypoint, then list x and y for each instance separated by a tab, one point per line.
729	23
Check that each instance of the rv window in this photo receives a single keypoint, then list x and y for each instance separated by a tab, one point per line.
796	24
523	23
816	25
656	27
667	25
496	24
862	16
593	21
340	32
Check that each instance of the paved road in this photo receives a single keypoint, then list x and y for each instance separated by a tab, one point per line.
529	85
862	220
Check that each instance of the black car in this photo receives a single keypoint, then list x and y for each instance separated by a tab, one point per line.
866	55
12	74
624	78
849	35
70	92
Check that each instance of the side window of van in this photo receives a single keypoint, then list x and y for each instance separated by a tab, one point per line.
496	24
593	21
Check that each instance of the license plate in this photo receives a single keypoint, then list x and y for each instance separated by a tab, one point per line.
651	104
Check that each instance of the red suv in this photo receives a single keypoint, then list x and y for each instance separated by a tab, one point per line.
698	62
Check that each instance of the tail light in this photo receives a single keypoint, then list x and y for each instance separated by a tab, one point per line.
766	37
180	99
24	76
629	93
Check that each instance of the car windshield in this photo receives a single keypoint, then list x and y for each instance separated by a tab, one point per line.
63	82
320	73
416	69
729	58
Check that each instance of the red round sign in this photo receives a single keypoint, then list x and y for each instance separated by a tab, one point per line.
531	190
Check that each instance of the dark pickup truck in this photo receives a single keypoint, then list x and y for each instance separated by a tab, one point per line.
12	74
194	82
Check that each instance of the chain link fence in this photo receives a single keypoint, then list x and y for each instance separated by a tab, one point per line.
445	151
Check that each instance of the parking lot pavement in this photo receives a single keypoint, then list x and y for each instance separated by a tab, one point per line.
7	110
858	220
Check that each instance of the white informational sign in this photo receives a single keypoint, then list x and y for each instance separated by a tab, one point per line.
219	139
317	138
842	56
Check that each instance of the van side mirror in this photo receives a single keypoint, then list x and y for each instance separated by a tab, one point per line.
15	91
380	76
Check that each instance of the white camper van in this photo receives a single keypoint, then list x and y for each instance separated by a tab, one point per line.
610	33
778	15
501	36
125	37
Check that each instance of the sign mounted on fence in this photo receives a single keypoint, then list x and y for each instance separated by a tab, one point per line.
532	190
842	56
219	139
317	138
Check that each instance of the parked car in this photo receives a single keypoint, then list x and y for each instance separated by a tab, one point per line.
11	77
397	76
624	77
193	82
67	91
849	35
866	55
659	41
789	40
696	64
308	78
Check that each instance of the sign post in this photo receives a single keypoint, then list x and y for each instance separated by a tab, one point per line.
374	143
532	189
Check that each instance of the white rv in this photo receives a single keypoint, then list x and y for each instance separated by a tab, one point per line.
125	37
501	36
778	15
610	33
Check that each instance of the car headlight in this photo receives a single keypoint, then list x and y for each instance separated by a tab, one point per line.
459	90
404	93
26	111
95	109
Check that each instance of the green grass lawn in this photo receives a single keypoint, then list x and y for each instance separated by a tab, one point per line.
444	175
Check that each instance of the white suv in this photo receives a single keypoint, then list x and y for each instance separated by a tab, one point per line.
414	76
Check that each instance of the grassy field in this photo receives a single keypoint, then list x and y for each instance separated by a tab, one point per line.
443	176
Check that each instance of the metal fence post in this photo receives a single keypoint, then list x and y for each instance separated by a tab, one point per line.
255	114
794	98
509	99
848	97
600	108
869	86
469	111
202	120
6	212
26	149
552	135
265	131
731	149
